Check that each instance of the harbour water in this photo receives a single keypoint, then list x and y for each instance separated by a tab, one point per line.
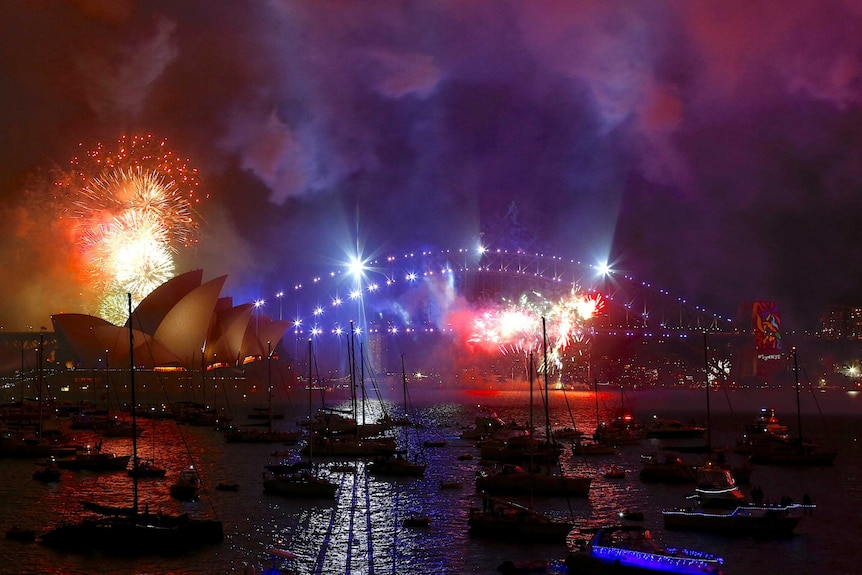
361	530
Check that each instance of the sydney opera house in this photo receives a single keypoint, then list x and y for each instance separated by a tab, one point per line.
184	326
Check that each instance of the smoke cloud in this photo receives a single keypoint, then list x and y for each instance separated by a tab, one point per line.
712	149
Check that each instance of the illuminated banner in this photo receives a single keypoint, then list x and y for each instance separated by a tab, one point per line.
766	323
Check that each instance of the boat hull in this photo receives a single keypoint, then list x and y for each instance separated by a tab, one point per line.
300	487
145	535
537	484
744	521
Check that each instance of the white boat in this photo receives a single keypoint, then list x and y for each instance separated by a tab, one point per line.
715	486
764	521
631	549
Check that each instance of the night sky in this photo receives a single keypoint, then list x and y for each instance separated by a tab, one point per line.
711	148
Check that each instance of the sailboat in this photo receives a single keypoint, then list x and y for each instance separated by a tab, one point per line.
500	519
353	442
396	464
147	467
134	533
299	480
235	434
597	446
792	451
512	479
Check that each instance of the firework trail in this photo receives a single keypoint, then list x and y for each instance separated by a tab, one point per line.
131	209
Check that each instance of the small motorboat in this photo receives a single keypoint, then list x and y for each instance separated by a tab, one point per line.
187	486
47	471
631	549
615	473
143	468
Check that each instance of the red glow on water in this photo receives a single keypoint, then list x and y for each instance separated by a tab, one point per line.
481	392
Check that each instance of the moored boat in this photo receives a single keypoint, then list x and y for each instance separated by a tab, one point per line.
417	521
187	486
132	533
587	448
18	534
715	486
47	471
397	465
500	519
631	549
234	434
301	484
766	521
146	468
92	458
673	429
670	469
781	449
139	534
515	480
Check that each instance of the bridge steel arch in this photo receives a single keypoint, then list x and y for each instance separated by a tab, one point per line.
397	298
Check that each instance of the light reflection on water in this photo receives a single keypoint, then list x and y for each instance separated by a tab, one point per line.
362	531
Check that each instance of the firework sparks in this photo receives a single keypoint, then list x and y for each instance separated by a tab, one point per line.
517	326
132	208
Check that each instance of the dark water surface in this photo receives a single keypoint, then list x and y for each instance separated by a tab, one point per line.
361	531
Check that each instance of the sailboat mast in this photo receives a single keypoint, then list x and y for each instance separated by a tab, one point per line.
362	378
708	411
596	387
547	398
404	384
310	429
351	359
531	394
798	408
269	379
41	380
134	411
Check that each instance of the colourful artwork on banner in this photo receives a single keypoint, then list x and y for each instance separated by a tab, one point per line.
767	324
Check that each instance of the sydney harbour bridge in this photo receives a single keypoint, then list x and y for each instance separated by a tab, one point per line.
420	308
419	305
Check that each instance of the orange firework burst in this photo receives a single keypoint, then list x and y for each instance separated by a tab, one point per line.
131	208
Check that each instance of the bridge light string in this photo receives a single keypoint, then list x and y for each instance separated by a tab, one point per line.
538	265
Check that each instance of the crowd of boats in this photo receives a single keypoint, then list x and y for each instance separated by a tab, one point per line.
515	462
